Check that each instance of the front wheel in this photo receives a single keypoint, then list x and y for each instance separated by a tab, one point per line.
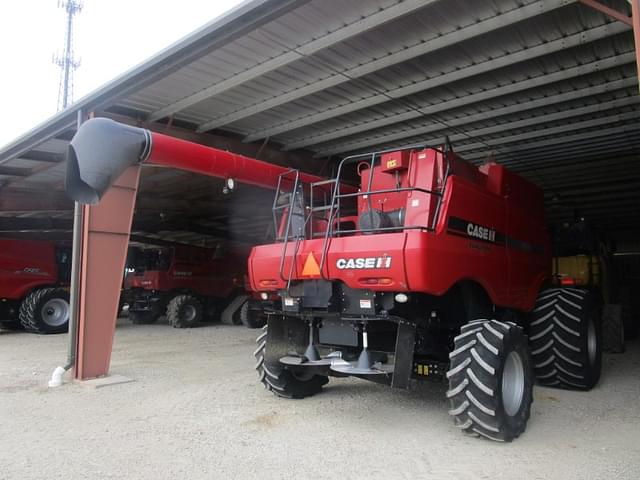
491	380
184	311
45	311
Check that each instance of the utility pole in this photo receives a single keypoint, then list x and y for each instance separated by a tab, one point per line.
67	62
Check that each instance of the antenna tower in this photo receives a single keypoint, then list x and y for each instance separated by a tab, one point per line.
67	62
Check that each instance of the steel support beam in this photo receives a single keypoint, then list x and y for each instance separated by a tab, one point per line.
608	11
337	78
105	237
15	171
506	90
356	28
547	157
629	128
492	115
526	54
40	156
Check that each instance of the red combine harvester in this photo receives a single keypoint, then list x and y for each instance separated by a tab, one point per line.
186	282
34	276
432	268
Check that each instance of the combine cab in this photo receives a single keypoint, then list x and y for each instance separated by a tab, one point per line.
184	282
34	276
431	269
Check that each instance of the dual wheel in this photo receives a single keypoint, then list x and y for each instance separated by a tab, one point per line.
494	365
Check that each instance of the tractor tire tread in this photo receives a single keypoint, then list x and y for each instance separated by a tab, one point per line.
475	380
280	381
174	307
557	337
29	308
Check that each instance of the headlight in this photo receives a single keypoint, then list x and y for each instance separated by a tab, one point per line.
402	297
264	296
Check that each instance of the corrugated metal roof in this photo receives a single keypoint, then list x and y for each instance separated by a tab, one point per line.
548	87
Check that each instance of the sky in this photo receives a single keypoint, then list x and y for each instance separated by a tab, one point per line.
111	37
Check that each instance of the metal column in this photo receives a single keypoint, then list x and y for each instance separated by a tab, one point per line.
105	237
635	18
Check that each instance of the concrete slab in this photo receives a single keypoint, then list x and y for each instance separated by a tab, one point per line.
101	382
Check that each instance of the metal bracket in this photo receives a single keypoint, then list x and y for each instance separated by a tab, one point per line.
405	342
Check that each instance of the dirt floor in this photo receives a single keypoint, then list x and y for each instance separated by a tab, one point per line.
196	411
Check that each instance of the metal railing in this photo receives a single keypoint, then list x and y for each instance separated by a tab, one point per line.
335	206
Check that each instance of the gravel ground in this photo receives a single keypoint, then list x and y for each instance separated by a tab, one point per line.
196	411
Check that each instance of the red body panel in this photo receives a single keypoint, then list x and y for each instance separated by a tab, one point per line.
194	269
25	265
490	230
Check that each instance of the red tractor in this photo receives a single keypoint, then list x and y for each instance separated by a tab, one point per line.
431	269
34	276
186	283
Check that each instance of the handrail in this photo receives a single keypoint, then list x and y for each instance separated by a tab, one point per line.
335	204
289	216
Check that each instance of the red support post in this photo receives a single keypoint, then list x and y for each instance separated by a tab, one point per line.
105	237
621	17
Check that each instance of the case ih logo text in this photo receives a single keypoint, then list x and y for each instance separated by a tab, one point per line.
178	273
483	233
363	263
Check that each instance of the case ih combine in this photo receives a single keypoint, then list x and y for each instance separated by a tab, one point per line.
34	275
186	283
430	269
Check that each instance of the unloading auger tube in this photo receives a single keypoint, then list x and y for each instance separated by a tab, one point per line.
102	149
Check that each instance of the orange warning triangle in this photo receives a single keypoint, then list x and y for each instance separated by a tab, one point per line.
311	267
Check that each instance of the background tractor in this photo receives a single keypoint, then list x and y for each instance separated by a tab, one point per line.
186	283
34	280
583	259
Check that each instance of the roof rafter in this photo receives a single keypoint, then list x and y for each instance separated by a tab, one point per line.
490	115
356	28
452	38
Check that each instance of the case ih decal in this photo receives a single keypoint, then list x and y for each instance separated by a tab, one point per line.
363	263
473	230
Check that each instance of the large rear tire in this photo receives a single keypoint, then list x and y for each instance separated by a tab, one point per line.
231	314
45	311
566	338
282	382
491	380
184	311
